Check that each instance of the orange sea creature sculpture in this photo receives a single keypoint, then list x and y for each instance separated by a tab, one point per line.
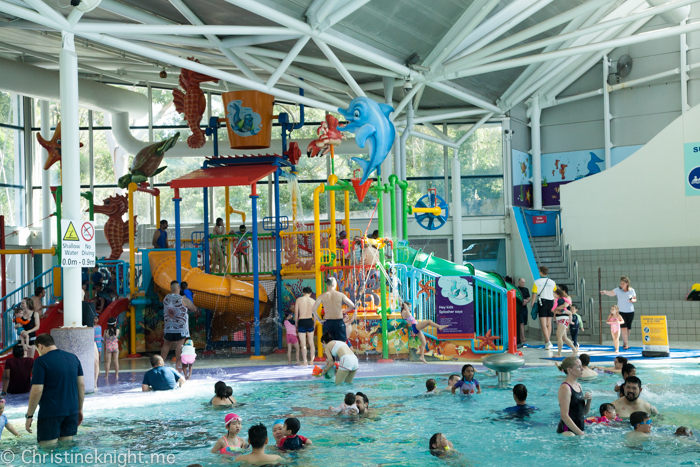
487	342
192	102
328	135
116	229
426	287
52	146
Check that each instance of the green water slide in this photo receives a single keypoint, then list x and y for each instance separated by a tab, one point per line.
419	259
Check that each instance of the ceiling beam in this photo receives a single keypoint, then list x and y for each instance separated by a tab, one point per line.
341	69
301	42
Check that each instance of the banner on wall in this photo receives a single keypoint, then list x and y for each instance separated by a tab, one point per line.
654	336
454	306
691	156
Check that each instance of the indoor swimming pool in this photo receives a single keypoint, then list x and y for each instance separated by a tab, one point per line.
395	432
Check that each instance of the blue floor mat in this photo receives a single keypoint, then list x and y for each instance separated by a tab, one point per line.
633	353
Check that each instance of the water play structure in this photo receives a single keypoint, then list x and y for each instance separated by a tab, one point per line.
242	307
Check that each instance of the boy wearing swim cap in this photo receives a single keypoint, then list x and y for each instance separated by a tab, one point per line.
257	437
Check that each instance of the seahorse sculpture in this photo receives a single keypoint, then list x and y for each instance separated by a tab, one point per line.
192	102
328	135
116	229
52	146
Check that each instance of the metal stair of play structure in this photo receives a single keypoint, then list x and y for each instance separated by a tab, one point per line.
555	255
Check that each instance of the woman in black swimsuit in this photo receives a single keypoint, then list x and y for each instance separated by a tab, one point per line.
573	403
223	395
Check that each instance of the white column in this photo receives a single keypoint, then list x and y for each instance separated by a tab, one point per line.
536	153
684	71
606	111
70	171
46	199
386	165
456	209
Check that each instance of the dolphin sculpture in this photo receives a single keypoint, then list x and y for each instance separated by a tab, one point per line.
370	122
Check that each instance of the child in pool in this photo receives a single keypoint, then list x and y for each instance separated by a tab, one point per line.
292	441
223	394
188	356
292	339
520	398
641	428
451	381
467	385
257	437
607	415
230	443
439	445
614	320
348	407
3	421
430	387
627	370
684	431
617	368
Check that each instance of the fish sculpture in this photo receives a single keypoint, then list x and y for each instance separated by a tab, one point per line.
370	122
192	103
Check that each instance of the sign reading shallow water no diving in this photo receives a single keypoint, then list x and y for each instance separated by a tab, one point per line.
77	243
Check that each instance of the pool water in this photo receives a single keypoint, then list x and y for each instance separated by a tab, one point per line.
398	427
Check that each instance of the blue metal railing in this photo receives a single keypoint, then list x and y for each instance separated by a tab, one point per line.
491	317
490	306
9	301
118	275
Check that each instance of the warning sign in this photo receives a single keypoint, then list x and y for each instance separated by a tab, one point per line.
71	235
654	336
77	250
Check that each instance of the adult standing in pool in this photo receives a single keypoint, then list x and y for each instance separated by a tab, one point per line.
626	298
630	401
333	302
347	361
573	403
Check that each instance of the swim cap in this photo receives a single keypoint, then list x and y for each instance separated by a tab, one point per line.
188	342
342	234
232	417
278	422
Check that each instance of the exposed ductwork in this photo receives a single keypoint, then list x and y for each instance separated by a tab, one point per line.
123	105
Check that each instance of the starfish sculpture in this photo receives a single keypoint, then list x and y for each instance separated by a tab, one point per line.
487	341
426	288
52	146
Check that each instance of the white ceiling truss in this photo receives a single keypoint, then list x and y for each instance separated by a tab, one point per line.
527	47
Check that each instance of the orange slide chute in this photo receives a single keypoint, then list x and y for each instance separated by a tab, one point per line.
230	300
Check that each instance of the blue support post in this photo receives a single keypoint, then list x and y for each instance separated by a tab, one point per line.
205	196
178	258
278	258
256	279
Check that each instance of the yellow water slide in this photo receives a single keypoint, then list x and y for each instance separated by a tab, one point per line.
230	300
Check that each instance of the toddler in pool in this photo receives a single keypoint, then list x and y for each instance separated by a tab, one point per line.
292	338
467	385
3	421
607	415
348	407
440	445
188	356
292	441
230	443
430	387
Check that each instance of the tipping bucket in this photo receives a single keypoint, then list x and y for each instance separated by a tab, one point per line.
361	189
248	119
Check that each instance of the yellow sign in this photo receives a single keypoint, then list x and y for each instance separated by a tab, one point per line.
654	336
71	234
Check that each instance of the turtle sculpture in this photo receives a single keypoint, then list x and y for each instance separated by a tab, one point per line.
146	162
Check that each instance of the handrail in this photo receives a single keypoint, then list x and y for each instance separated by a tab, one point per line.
575	274
557	230
532	243
591	304
567	259
582	291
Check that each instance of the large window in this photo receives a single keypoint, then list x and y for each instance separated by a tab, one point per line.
11	159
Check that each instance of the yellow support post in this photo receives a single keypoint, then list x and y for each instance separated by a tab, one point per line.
346	194
158	210
317	261
228	229
47	251
332	241
132	263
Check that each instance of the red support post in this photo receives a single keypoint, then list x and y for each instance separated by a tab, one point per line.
512	323
3	274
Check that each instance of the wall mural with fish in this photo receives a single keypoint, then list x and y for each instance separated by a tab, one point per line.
522	179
